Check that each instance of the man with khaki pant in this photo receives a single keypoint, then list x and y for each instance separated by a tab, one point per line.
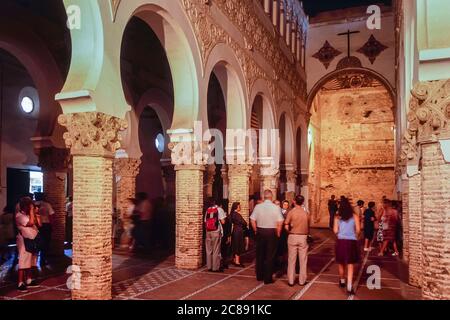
297	225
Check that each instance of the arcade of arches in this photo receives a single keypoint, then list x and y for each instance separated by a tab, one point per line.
118	100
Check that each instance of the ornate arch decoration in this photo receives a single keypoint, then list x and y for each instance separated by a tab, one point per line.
351	77
261	88
223	62
289	143
156	99
168	27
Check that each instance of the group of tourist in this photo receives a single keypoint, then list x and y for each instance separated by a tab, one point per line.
377	225
278	228
30	223
282	230
29	226
349	223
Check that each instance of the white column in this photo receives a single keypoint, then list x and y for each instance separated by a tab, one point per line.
276	14
267	5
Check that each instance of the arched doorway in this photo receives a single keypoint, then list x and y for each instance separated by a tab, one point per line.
149	89
217	120
351	139
33	66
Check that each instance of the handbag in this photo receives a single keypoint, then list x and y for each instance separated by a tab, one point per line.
33	245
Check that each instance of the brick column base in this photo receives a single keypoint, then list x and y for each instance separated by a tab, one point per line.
414	230
126	170
54	163
435	222
189	216
239	186
92	227
93	139
269	183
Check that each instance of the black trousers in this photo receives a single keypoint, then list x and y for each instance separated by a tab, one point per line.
46	233
266	249
332	215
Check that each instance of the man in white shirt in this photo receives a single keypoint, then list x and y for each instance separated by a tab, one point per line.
267	222
214	219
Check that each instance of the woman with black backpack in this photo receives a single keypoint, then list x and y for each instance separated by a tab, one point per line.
27	224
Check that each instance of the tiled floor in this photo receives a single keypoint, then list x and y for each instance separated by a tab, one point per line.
157	278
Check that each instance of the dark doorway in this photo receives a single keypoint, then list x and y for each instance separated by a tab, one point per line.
18	185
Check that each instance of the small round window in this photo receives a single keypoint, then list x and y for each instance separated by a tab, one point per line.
159	142
27	104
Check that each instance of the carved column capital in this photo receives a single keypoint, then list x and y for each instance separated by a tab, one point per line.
92	133
189	153
53	159
239	170
126	167
291	176
428	118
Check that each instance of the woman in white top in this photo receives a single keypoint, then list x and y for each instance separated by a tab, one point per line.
27	225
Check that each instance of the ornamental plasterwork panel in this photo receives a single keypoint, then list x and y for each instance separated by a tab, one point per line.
256	37
372	49
326	54
428	118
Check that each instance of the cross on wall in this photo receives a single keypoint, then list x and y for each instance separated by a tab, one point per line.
348	34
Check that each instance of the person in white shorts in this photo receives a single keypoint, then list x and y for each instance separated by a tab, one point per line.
27	223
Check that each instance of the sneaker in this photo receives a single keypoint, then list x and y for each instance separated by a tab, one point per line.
342	283
33	284
22	287
395	254
366	249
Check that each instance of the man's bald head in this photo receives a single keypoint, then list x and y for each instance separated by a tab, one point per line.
268	195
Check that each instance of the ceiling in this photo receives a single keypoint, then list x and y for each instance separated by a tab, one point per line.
315	7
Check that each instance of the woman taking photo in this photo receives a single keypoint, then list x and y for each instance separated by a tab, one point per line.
27	225
237	234
347	227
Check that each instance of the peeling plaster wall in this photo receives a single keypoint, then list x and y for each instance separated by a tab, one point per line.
353	148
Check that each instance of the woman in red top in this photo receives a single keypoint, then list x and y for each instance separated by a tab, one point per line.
390	224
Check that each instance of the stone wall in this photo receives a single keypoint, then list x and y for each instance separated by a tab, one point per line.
356	147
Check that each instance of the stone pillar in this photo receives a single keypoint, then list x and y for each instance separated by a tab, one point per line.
189	159
291	176
267	6
276	14
93	139
239	186
210	176
269	180
54	163
428	118
225	180
189	216
168	178
125	170
414	230
435	223
282	28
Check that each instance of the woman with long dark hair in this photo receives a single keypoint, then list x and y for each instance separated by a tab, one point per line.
27	224
238	233
347	227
